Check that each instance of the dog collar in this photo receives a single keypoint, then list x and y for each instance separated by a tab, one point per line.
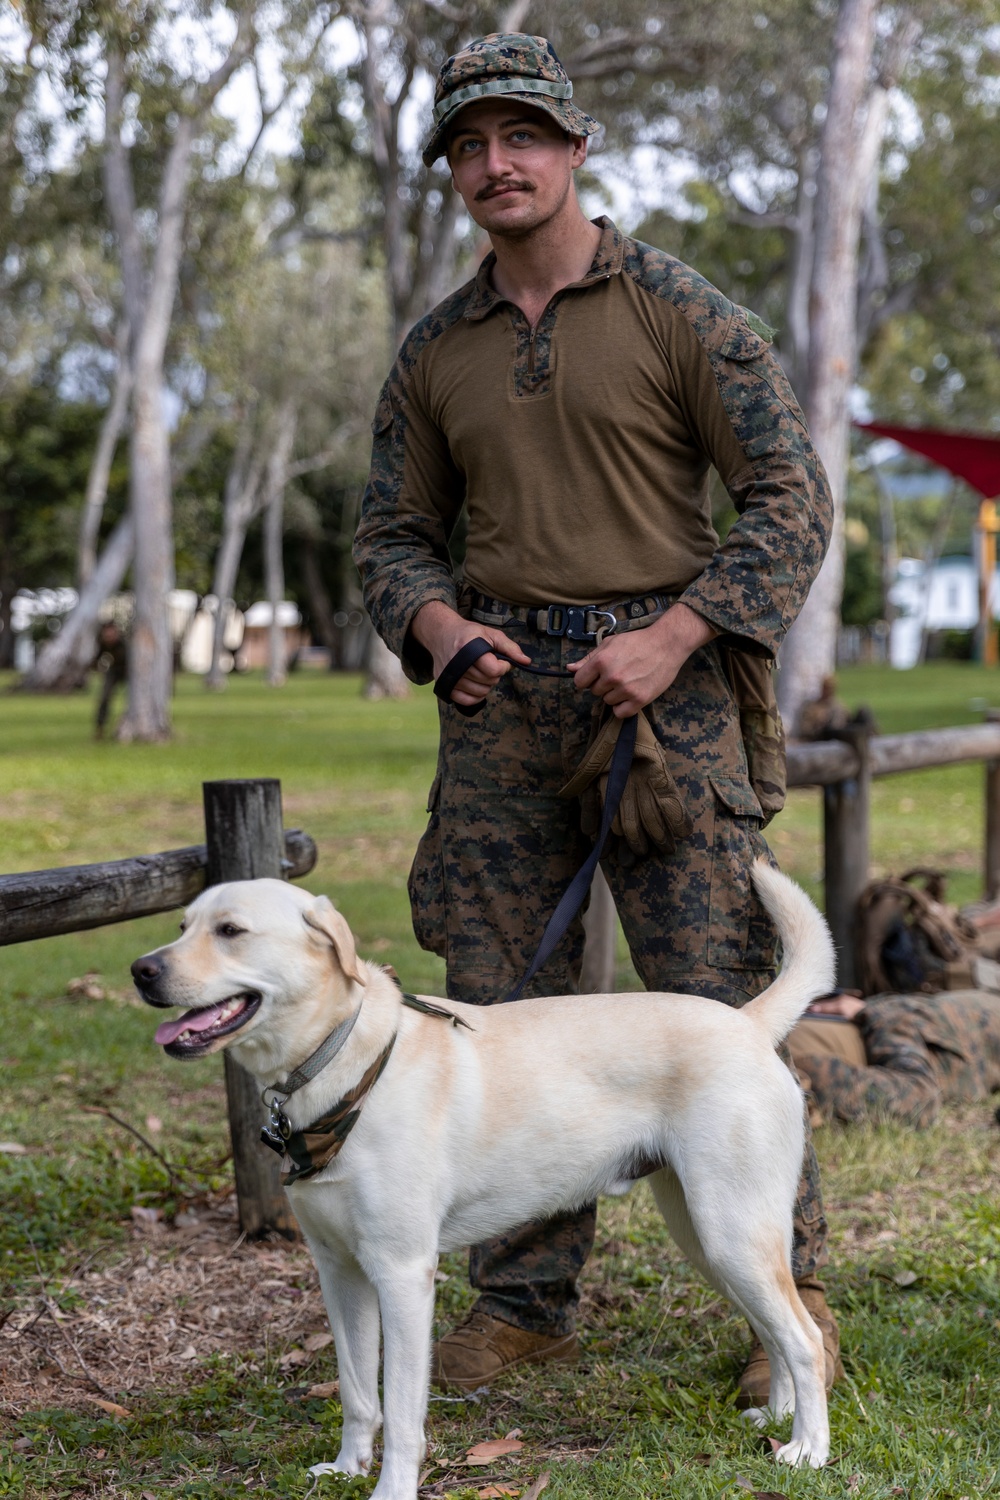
307	1151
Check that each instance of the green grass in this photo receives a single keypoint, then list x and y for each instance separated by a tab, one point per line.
915	1243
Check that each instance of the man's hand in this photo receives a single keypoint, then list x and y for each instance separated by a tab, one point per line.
628	671
443	633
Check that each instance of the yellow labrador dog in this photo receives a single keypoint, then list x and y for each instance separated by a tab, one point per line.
454	1132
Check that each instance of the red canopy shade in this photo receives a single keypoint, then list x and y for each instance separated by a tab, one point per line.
970	456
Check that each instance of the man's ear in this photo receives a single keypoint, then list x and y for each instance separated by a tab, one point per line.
325	918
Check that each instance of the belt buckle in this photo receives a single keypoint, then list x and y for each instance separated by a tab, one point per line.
576	622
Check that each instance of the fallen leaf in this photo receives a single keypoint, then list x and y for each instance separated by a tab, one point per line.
905	1278
317	1341
540	1484
21	1444
515	1432
143	1215
496	1491
189	1353
324	1389
12	1148
154	1124
111	1407
293	1359
484	1453
100	1452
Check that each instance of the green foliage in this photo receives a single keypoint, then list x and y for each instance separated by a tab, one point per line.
862	598
45	453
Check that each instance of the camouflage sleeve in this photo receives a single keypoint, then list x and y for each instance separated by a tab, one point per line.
901	1081
410	505
758	579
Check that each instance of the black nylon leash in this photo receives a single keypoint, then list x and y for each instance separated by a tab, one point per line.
470	653
573	896
621	763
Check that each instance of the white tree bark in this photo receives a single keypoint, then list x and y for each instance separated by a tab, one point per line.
63	662
241	502
850	146
149	306
274	530
384	676
96	494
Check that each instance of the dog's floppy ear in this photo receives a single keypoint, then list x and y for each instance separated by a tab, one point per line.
325	918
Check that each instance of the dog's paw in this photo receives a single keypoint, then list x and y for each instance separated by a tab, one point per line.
800	1451
758	1415
342	1464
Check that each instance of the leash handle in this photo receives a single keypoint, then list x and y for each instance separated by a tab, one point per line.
572	898
456	669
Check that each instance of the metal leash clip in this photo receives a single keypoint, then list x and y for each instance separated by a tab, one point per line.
278	1128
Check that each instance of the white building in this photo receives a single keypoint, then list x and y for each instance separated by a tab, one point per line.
947	600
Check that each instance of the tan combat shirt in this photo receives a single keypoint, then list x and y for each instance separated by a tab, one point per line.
582	451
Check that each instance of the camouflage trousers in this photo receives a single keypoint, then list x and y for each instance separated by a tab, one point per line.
501	847
919	1050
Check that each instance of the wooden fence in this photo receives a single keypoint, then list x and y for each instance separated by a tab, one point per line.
844	768
244	840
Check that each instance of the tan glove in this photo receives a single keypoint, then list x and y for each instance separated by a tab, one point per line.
651	813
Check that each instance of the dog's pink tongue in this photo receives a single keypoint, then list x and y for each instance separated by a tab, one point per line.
191	1020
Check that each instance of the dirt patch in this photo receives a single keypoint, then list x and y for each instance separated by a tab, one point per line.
148	1319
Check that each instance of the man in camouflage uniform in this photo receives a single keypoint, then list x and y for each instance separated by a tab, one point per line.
898	1057
573	397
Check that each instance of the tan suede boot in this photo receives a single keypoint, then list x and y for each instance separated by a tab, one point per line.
481	1348
754	1384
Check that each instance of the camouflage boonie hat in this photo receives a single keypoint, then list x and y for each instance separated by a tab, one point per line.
511	64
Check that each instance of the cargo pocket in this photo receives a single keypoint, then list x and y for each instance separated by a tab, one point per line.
426	882
740	934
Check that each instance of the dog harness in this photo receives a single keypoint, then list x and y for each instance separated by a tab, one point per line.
308	1151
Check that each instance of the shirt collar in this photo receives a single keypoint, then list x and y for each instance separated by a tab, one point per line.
608	260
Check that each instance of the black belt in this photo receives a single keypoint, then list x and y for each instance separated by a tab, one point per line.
576	622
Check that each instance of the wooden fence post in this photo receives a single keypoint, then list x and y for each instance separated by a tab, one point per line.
245	841
991	852
600	926
846	822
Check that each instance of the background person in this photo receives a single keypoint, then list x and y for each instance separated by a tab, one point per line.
112	663
897	1057
574	396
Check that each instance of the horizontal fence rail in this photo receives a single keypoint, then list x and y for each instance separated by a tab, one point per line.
844	768
47	903
829	761
244	840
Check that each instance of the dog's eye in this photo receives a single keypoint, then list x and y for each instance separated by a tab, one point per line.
229	929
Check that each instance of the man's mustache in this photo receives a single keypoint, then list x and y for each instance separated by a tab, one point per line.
492	188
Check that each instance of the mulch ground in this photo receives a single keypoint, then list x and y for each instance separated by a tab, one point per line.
124	1323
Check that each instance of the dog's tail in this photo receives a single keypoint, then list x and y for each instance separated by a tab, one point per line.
808	967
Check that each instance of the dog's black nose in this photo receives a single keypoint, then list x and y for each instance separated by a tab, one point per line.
148	969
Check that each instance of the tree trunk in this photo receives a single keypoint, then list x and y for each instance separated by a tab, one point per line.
320	607
149	302
384	676
274	518
239	508
64	661
100	471
810	652
850	148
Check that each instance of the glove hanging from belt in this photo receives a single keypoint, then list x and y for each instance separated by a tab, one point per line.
651	814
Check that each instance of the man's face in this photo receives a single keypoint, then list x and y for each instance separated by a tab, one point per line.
512	165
